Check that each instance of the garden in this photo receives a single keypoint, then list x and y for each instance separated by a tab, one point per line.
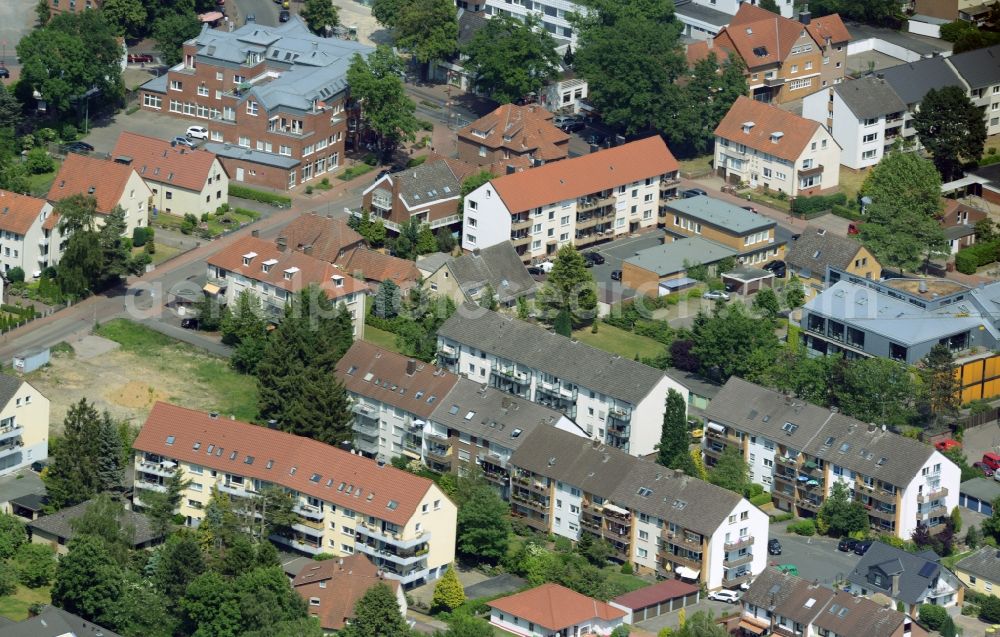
211	224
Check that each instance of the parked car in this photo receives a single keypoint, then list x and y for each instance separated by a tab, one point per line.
182	141
562	120
596	140
777	268
81	148
991	460
947	445
692	192
724	595
140	58
573	127
189	323
862	547
750	208
534	270
4	72
982	466
284	15
714	295
847	544
39	465
546	266
616	275
854	227
773	546
197	132
251	18
594	257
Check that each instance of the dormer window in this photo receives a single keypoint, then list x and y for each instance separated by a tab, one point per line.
267	265
776	137
248	257
290	272
338	281
747	127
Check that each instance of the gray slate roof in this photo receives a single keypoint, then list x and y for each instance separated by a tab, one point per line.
9	385
500	266
676	256
565	358
893	561
979	68
983	489
55	622
912	80
869	97
18	485
721	214
433	262
469	22
695	383
232	151
59	523
816	249
704	14
430	181
984	563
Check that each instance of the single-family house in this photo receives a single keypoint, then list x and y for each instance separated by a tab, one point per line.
498	268
816	250
332	588
374	267
981	571
56	529
551	609
910	578
959	223
324	237
29	232
519	136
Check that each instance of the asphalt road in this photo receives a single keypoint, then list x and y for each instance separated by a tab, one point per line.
817	558
265	11
17	18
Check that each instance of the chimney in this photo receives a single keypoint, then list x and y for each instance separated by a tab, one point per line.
411	367
804	16
255	233
281	243
214	415
922	287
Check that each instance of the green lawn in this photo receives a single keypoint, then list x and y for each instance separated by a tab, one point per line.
215	226
15	607
39	185
629	582
385	340
163	252
618	341
950	561
697	165
851	181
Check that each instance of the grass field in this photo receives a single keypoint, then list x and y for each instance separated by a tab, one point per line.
163	252
851	181
697	165
618	341
385	340
39	185
15	607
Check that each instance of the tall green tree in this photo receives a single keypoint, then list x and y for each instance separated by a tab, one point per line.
178	562
841	514
563	324
386	11
377	614
509	58
125	17
730	342
877	390
488	298
10	109
951	128
172	31
71	478
209	607
427	28
708	94
731	471
89	580
106	518
35	564
245	328
901	226
448	591
377	85
483	523
873	12
941	387
673	435
701	624
766	303
12	535
161	506
569	287
109	472
320	15
769	5
795	293
387	300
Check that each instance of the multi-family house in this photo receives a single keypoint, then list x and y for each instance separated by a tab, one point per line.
781	604
786	59
429	194
959	223
374	267
277	92
979	71
768	147
660	520
24	425
912	579
110	183
816	250
615	400
183	180
29	236
345	503
980	571
519	136
274	275
951	10
751	235
579	201
72	6
497	268
797	451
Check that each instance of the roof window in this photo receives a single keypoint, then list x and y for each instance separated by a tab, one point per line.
170	440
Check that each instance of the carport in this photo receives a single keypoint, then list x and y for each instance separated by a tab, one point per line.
747	281
653	601
978	495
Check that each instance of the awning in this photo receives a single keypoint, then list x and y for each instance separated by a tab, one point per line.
687	573
673	284
810	464
752	628
211	16
615	509
716	427
211	288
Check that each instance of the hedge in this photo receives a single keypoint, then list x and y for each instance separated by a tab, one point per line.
259	195
803	527
845	212
975	256
809	207
760	499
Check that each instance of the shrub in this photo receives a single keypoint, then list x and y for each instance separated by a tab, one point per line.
69	133
931	617
782	517
416	161
36	565
809	207
371	159
425	125
139	237
309	190
760	499
132	109
846	212
756	489
803	527
259	195
626	568
975	256
39	162
15	275
989	609
204	217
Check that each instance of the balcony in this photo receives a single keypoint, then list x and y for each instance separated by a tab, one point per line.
736	579
364	410
148	485
685	560
409	558
519	223
309	527
812	170
511	373
392	537
935	511
809	505
288	131
683	540
537	487
736	545
441	452
557	390
308	511
306	547
592	203
235	489
449	352
737	561
364	428
786	461
163	469
774	81
497	477
930	496
533	503
882	514
620	413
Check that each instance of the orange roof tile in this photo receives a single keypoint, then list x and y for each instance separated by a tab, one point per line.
308	269
346	579
103	179
341	478
51	221
329	238
754	31
828	26
699	50
585	174
521	129
556	607
156	160
19	212
796	131
375	266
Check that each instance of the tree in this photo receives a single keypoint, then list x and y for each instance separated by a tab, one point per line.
377	85
126	17
109	469
211	313
448	592
991	525
874	12
932	616
569	287
172	31
509	58
731	342
731	471
769	5
43	12
463	625
989	609
387	300
795	294
427	28
483	525
35	564
8	579
488	298
88	579
674	434
320	15
426	241
161	506
902	227
841	515
701	624
563	323
105	518
708	94
10	109
951	128
386	11
948	628
245	328
941	387
12	535
377	614
220	526
178	562
445	240
470	183
766	303
70	478
208	607
876	390
973	537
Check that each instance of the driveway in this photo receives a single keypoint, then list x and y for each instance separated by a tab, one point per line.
104	133
669	620
614	252
17	19
817	558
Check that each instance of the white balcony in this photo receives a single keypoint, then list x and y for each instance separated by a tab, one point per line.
150	486
163	469
395	539
389	555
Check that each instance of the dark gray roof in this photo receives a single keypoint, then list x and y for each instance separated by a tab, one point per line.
17	485
499	417
32	501
59	524
983	489
157	84
500	266
581	462
914	578
678	255
957	232
984	563
869	97
816	249
55	622
912	80
704	14
8	387
721	214
565	358
694	383
771	589
469	22
430	181
979	68
433	262
231	151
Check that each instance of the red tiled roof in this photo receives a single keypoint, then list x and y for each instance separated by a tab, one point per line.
556	607
828	26
310	269
586	174
156	160
753	28
19	212
347	580
375	266
528	128
796	131
656	593
51	222
329	238
699	50
79	174
284	459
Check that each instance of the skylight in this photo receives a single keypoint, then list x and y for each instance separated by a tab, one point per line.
469	415
248	460
314	477
210	449
453	410
270	463
197	446
829	441
789	427
392	505
170	440
844	448
644	492
232	456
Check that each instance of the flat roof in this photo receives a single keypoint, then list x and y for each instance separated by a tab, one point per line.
677	256
231	151
721	214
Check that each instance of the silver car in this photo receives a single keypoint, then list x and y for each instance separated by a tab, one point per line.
714	295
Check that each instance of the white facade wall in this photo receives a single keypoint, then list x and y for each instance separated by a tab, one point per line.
486	220
988	98
24	430
552	14
177	201
744	521
134	198
937	473
761	461
566	511
25	251
762	169
522	627
647	537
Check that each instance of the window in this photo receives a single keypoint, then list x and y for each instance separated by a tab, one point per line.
795	85
808	66
176	85
202	91
244	141
471	221
152	101
870	137
473	205
471	238
869	154
285	150
826	60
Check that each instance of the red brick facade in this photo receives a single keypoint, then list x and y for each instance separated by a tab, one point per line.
72	6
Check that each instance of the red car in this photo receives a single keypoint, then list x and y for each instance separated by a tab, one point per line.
947	445
854	227
985	468
140	58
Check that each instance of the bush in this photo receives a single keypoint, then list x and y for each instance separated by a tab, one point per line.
846	212
309	190
416	161
15	275
246	212
425	125
626	568
371	159
69	133
975	256
931	617
36	565
781	517
259	195
39	162
139	237
809	207
989	609
760	499
132	109
803	527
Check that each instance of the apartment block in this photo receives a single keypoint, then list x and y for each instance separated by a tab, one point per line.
797	451
272	98
770	148
346	503
29	236
24	425
520	136
617	401
660	520
110	183
604	195
751	235
429	194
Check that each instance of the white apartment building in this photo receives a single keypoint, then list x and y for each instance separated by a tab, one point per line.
110	183
617	401
24	425
346	503
29	237
603	195
797	451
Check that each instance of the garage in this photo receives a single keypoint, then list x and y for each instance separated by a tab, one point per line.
653	601
978	494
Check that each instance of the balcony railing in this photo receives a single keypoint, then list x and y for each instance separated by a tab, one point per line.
308	511
737	561
363	428
735	545
391	537
538	505
735	579
141	483
309	527
683	539
362	409
155	468
512	373
407	559
592	203
930	496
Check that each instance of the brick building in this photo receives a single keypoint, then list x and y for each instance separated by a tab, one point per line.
514	135
72	6
272	98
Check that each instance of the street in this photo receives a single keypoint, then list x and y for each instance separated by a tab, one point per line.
817	558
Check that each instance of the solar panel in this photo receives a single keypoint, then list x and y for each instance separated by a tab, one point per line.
928	569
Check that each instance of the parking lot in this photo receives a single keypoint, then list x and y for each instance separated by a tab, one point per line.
147	123
670	620
817	558
614	252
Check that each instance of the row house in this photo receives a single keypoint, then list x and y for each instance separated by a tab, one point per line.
615	400
797	451
513	135
29	234
24	425
277	92
344	503
111	184
768	147
597	197
750	234
274	275
816	251
786	60
662	521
